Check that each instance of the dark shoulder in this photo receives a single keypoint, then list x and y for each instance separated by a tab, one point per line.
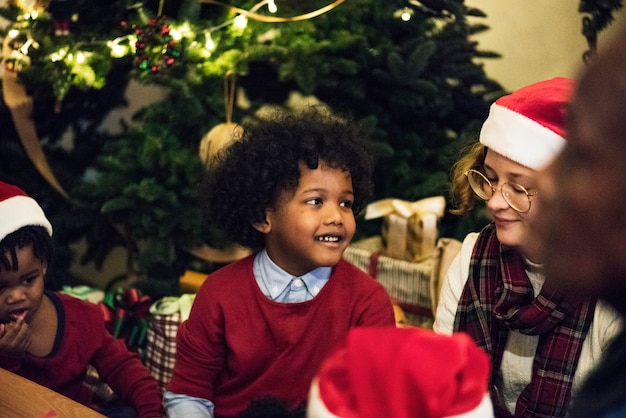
603	394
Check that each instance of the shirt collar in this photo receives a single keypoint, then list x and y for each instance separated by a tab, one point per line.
273	280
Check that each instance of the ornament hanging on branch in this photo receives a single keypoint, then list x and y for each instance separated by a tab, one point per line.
216	140
156	49
62	13
222	135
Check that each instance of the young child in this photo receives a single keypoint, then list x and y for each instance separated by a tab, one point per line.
260	327
51	338
402	373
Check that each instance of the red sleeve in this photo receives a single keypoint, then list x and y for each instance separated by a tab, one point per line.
377	310
120	368
371	301
200	348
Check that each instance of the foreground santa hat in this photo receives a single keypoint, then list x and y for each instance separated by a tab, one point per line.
17	210
528	125
402	373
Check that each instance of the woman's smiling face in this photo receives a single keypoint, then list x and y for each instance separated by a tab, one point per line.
511	226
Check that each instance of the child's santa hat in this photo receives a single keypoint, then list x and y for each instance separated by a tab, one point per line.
17	210
402	373
528	125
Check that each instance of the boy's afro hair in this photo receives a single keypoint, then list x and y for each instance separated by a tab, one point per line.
250	174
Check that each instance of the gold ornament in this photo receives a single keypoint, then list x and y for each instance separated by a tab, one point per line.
217	139
222	135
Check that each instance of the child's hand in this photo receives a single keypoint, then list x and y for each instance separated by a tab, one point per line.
15	338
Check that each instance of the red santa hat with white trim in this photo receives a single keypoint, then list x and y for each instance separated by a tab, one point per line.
17	210
528	125
402	373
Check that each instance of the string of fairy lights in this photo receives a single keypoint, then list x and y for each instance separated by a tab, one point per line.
155	45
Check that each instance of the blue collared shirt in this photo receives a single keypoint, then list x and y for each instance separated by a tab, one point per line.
280	286
276	284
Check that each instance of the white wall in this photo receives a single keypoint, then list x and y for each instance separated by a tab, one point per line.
538	39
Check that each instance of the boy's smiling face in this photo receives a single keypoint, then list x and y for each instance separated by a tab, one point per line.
311	226
21	291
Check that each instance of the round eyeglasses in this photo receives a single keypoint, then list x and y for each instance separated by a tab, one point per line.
514	194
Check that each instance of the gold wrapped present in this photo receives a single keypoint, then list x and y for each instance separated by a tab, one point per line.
410	229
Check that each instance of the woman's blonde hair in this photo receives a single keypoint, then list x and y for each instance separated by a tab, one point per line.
461	194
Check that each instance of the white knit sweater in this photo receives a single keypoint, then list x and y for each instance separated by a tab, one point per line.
518	357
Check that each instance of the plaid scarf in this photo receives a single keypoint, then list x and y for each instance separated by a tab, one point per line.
499	297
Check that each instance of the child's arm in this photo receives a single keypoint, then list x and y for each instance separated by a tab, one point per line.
128	377
200	357
377	310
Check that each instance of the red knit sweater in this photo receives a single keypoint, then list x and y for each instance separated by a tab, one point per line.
238	345
81	340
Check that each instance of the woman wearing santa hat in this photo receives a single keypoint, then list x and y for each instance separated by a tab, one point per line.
541	343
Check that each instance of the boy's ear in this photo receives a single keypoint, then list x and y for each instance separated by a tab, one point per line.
264	226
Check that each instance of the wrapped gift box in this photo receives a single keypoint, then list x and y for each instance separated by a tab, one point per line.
167	314
414	286
409	229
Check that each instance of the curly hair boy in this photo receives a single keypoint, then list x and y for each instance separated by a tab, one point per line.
260	327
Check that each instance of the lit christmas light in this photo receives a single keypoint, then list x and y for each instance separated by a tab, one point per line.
271	6
240	22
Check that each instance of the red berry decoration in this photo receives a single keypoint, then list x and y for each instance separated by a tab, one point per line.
155	49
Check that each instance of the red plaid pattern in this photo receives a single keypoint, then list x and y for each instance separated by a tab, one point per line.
499	297
161	347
